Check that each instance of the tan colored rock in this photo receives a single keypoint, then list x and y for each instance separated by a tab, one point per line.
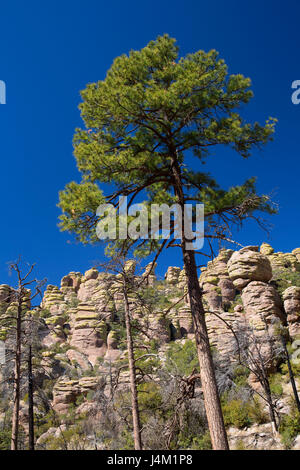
185	322
263	312
248	265
296	252
212	298
150	268
291	300
79	358
65	393
256	437
54	301
88	332
266	249
262	303
182	279
5	293
228	291
280	261
72	280
113	353
90	274
218	288
87	289
172	275
219	332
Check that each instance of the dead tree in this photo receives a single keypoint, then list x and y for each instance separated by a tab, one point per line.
14	320
124	283
250	353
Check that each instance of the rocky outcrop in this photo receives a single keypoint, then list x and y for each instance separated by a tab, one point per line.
280	261
66	392
249	265
296	253
262	305
257	437
83	327
172	275
291	298
88	332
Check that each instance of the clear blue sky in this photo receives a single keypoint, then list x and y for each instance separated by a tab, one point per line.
51	50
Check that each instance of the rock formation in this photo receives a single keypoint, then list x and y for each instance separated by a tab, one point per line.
81	331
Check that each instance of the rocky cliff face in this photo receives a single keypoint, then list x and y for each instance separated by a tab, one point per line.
253	289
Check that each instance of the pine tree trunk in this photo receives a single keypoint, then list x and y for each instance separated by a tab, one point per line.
208	379
133	387
207	371
17	380
30	401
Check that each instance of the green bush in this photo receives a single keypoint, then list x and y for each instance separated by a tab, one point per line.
236	413
242	414
290	428
286	278
275	385
182	357
202	443
241	375
5	437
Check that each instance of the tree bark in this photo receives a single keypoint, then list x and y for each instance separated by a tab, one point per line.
30	402
134	396
208	379
17	378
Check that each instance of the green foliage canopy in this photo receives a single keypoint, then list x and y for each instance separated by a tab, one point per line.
153	107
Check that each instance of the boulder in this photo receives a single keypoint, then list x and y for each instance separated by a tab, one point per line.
248	265
266	249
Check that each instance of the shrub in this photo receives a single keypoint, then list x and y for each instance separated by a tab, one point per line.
236	413
182	357
289	428
275	385
241	375
285	278
202	443
5	437
242	414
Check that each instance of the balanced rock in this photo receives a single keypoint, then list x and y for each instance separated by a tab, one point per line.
248	265
266	249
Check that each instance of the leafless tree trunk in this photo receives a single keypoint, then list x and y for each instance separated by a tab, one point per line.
30	400
17	375
132	372
23	297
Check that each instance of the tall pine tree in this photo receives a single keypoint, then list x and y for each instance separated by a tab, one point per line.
148	124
